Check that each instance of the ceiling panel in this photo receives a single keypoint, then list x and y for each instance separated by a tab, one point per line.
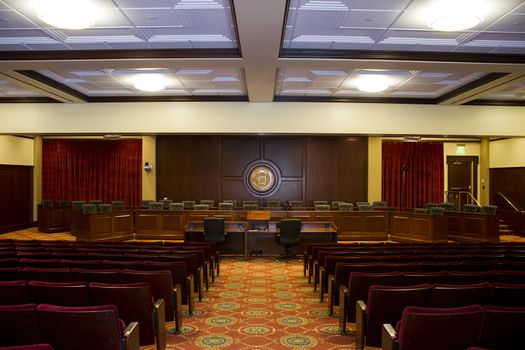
124	24
398	26
404	83
180	82
512	93
10	90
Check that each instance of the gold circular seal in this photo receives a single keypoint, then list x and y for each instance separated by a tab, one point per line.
262	178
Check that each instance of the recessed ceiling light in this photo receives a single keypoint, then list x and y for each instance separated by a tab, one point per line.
372	83
455	15
67	14
149	82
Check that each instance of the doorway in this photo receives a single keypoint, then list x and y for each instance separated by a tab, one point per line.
462	180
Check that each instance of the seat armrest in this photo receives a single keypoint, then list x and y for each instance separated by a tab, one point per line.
331	286
191	292
160	324
131	336
177	307
360	324
343	308
388	337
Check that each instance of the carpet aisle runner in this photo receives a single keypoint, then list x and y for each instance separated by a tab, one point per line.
259	304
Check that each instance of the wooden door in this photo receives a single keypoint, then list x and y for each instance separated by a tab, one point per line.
462	179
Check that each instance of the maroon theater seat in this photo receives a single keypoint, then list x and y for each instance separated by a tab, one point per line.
86	328
59	293
29	347
13	292
18	325
503	328
508	294
457	295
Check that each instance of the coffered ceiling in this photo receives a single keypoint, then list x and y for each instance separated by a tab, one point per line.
263	51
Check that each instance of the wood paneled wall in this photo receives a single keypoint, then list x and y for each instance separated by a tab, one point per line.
16	197
312	168
510	182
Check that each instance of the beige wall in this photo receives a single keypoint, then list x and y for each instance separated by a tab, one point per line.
449	149
507	153
149	188
374	168
16	150
273	118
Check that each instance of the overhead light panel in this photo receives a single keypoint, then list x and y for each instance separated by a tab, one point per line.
455	15
149	82
68	14
372	83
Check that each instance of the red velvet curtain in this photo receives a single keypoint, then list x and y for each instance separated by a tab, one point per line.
92	169
413	173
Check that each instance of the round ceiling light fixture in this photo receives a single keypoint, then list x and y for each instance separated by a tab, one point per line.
149	82
373	83
455	15
67	14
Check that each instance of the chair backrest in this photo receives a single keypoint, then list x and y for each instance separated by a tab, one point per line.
59	293
335	204
362	203
489	209
458	295
30	347
320	203
89	208
322	207
155	206
437	211
166	202
449	206
503	328
214	229
209	202
13	292
188	205
233	201
364	207
134	302
80	328
295	203
386	303
77	204
508	294
145	202
378	204
470	208
439	328
176	206
201	207
46	203
343	206
421	210
117	204
250	206
290	230
105	208
273	203
225	206
96	202
18	324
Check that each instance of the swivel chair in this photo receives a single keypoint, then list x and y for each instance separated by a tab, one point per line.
289	236
214	232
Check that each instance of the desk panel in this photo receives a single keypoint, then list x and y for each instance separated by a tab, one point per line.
54	219
159	224
472	227
414	227
363	225
113	226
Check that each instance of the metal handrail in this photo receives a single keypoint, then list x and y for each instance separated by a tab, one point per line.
509	202
464	192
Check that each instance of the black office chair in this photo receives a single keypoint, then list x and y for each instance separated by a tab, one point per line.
289	236
214	232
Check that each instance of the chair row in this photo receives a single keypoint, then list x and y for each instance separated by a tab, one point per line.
385	303
488	272
360	281
134	301
66	328
473	327
164	284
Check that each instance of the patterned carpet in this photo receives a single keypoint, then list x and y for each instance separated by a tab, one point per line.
260	304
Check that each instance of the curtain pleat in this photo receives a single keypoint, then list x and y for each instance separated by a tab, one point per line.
92	169
414	169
